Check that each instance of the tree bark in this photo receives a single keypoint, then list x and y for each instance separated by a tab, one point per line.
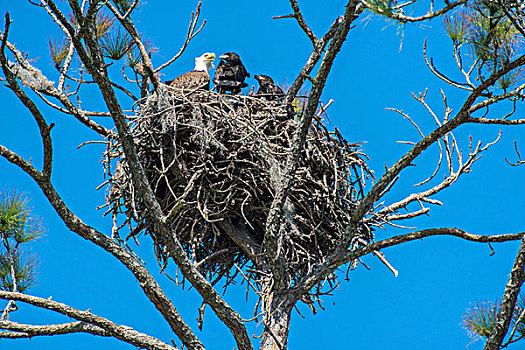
517	277
276	321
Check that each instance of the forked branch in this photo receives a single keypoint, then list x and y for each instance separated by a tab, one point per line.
399	16
461	117
336	261
128	24
90	323
192	33
45	129
450	146
302	23
26	73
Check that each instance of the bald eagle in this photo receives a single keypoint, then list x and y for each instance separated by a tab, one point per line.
230	74
199	78
267	88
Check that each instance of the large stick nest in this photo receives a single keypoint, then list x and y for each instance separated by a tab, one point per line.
212	159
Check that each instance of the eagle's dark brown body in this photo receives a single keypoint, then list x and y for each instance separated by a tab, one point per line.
267	88
191	81
230	74
199	78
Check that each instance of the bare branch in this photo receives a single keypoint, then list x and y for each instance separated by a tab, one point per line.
447	182
50	90
19	330
495	121
421	99
273	221
460	118
45	130
79	112
300	20
519	161
408	118
382	258
392	173
430	64
131	8
65	67
336	261
277	292
55	19
192	33
493	99
315	56
402	18
407	215
123	333
459	62
519	321
157	217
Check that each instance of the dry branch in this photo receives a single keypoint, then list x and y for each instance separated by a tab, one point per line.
91	323
461	117
19	330
399	16
192	33
337	260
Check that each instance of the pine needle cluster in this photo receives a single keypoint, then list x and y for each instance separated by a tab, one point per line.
17	228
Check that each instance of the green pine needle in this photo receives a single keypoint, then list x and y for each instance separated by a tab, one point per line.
24	267
17	228
115	44
381	7
480	318
490	37
103	24
58	51
16	221
134	57
457	27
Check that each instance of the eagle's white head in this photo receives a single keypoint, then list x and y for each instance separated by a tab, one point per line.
204	62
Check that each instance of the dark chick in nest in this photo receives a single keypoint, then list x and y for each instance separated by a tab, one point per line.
230	74
267	88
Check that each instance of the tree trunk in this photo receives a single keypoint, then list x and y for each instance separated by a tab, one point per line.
276	321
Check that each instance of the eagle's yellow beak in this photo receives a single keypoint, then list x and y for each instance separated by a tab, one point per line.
210	57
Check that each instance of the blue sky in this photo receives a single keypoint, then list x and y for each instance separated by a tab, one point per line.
438	277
